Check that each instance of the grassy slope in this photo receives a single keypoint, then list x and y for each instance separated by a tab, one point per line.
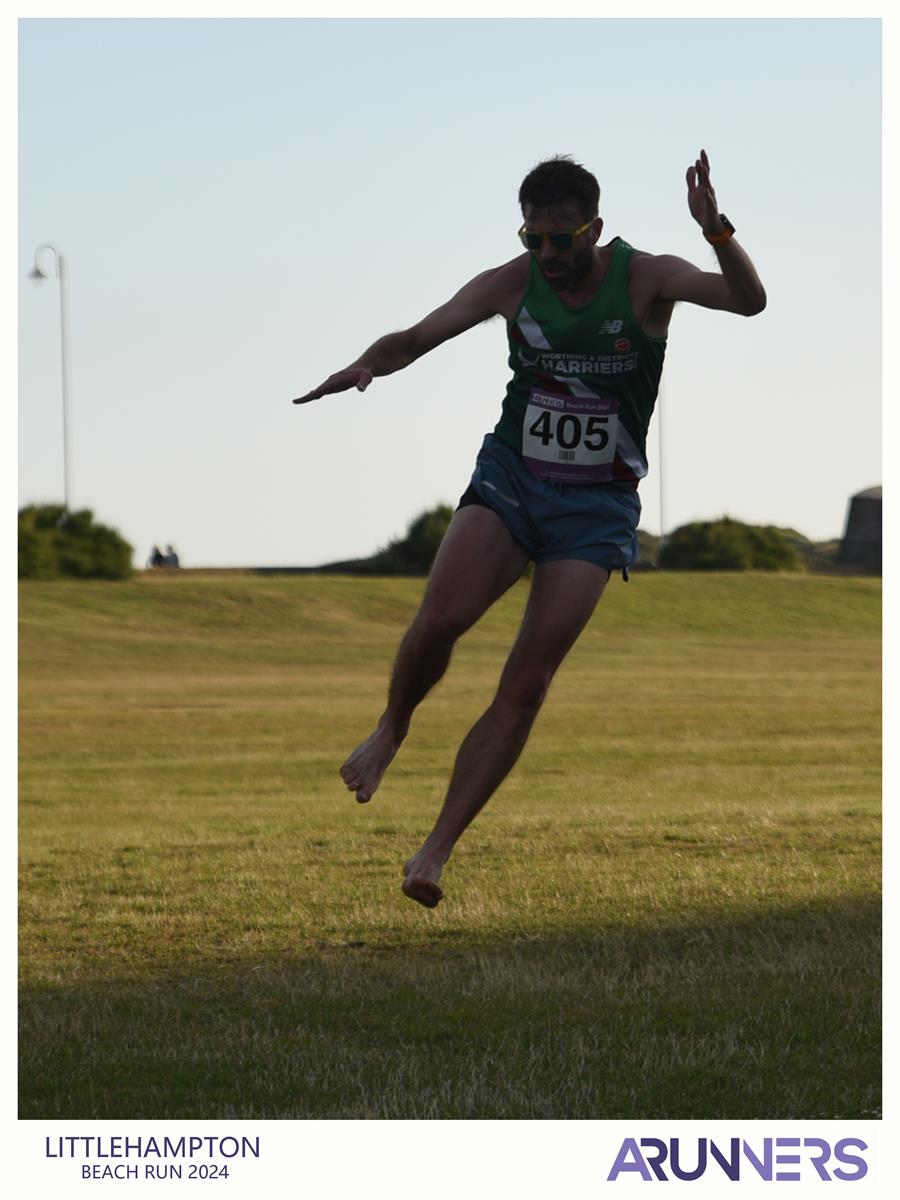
669	910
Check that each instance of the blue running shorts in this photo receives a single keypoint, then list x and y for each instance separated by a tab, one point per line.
595	522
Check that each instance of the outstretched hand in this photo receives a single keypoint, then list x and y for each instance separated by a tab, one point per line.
341	381
702	196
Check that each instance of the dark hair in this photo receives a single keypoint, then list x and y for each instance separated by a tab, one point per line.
557	180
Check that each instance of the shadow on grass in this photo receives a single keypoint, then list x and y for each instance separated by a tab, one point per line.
773	1015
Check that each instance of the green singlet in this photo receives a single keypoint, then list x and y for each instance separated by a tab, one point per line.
584	382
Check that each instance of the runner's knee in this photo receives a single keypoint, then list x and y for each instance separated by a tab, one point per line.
525	692
438	626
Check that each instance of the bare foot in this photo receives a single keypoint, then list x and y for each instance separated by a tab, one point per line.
420	880
364	768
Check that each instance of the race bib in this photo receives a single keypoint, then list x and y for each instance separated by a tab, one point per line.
570	439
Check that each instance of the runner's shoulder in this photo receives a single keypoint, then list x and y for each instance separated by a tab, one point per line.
641	260
646	265
504	286
647	273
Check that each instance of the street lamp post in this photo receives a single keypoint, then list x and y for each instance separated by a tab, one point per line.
37	273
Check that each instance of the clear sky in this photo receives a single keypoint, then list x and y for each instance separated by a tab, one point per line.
245	205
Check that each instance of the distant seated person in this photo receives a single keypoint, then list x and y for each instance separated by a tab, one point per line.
156	559
170	558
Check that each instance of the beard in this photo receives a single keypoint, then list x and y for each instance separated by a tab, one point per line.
568	275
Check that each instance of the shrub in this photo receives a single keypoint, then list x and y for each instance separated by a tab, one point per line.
425	533
53	543
414	554
728	545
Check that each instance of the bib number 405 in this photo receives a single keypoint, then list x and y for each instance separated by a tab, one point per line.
571	430
570	439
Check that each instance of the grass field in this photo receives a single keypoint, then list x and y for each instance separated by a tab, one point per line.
670	909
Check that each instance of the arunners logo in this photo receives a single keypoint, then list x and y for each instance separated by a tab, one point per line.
611	327
762	1160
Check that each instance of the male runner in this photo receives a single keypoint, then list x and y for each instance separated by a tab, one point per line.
556	482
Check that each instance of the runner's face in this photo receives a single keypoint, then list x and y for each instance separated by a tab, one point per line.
563	269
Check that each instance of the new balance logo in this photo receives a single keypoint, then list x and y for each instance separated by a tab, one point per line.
610	327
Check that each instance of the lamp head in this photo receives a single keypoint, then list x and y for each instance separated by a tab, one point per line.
37	271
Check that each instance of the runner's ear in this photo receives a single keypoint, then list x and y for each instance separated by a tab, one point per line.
597	229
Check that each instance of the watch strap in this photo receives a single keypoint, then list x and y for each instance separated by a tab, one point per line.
719	239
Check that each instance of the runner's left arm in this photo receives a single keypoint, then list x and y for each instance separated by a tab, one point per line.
737	288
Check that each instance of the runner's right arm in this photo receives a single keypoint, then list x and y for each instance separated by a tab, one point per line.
480	299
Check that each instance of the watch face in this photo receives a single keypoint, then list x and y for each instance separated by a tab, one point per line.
728	225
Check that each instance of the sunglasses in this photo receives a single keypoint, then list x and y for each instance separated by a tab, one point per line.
560	241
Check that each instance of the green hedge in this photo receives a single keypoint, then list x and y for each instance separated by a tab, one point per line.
728	545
